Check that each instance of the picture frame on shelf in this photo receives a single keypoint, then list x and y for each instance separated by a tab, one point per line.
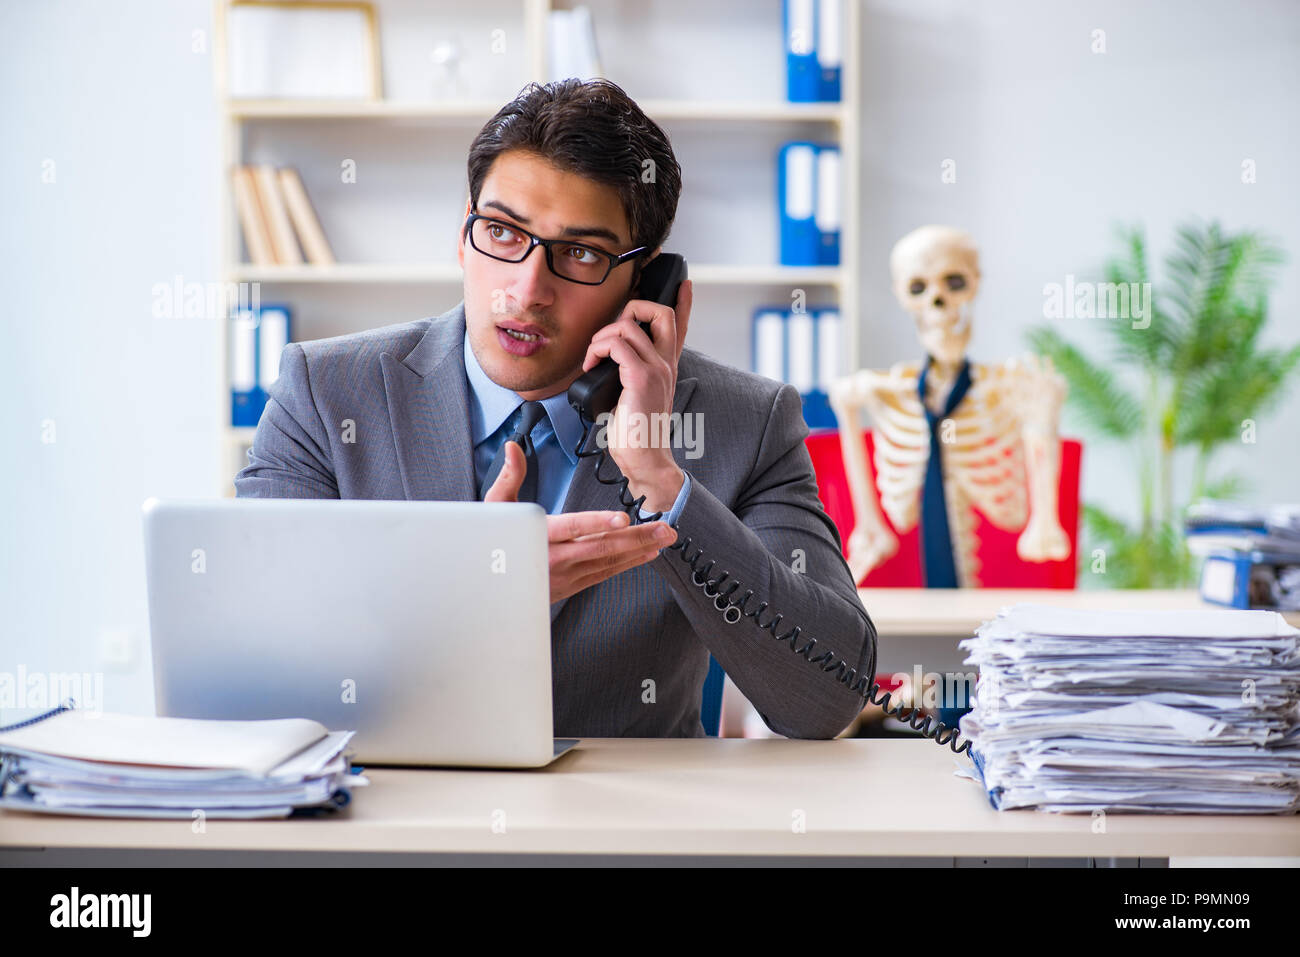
285	50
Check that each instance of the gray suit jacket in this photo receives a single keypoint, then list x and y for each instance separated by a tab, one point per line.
753	512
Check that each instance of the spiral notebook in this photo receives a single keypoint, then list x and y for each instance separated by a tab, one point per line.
72	761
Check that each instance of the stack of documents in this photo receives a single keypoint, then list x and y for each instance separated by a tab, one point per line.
1166	711
72	761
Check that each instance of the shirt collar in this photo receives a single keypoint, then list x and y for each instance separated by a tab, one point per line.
492	404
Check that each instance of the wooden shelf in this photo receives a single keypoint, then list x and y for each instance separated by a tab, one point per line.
712	111
351	273
722	275
358	109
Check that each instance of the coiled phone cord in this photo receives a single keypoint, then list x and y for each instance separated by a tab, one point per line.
733	611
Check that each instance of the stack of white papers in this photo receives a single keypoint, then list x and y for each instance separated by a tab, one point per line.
1168	711
114	765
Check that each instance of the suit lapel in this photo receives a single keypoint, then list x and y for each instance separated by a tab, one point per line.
428	408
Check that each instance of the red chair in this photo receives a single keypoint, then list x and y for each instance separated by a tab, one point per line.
1000	566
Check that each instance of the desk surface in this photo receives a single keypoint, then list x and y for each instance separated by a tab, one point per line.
861	797
898	612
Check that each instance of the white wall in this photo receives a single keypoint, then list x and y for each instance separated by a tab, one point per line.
113	95
1052	143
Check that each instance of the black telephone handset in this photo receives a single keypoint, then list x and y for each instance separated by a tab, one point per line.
596	393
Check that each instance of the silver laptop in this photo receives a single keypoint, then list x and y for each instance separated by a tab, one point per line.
423	626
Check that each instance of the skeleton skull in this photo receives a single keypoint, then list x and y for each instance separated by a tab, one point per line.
936	275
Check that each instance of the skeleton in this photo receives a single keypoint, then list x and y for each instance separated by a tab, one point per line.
1000	448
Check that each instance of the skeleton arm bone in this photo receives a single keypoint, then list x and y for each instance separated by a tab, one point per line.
871	541
1043	538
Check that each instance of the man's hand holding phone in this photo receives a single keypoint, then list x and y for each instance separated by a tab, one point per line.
585	547
647	369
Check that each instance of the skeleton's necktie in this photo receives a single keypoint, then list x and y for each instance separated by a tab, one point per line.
937	567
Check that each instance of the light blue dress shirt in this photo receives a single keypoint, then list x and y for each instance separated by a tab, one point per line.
554	439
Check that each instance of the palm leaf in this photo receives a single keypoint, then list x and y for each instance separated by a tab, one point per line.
1218	284
1148	346
1217	402
1096	396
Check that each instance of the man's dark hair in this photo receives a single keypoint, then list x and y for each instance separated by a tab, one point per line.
597	131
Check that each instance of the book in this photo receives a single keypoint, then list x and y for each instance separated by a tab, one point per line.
283	243
252	221
303	216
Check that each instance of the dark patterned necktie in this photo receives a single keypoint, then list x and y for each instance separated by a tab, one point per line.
937	565
525	418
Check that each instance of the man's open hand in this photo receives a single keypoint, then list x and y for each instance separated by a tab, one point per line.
584	548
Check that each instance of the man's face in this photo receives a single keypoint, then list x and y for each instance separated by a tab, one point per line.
524	189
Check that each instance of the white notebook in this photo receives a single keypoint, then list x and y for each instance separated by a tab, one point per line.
254	747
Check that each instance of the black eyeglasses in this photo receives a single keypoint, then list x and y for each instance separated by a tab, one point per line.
512	244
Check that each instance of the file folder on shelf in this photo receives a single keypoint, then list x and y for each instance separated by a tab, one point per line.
809	202
802	349
258	337
802	71
827	218
796	199
813	50
245	403
768	343
817	411
829	49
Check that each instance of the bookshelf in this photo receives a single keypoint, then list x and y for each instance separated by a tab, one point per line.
641	51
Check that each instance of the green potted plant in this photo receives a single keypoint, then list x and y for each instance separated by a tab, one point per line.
1189	374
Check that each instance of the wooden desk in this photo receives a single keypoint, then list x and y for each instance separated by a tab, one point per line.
957	612
686	798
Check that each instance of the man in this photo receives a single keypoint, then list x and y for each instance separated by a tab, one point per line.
422	410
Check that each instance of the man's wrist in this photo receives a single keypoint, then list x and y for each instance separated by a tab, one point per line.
660	490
